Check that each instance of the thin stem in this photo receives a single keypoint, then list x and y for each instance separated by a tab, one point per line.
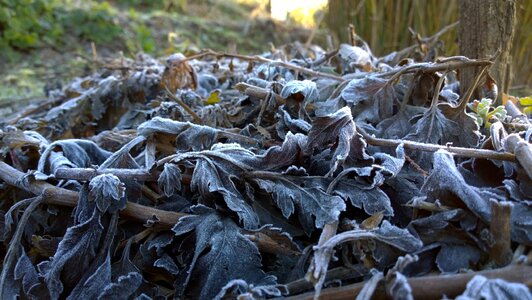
133	211
340	273
258	92
465	100
428	287
193	114
436	67
258	58
59	196
458	151
86	174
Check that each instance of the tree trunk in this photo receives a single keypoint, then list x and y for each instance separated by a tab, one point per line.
485	27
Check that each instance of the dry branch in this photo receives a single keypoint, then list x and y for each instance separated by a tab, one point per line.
264	60
133	211
429	287
457	151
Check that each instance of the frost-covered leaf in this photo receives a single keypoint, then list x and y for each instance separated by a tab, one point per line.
94	284
72	153
389	234
215	173
108	192
188	136
372	199
452	257
398	126
363	191
434	128
285	124
399	238
123	288
468	134
366	96
338	130
445	178
481	287
221	254
242	290
167	263
170	179
305	89
78	248
26	272
221	170
355	57
308	200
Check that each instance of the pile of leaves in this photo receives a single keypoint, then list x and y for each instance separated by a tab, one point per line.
297	171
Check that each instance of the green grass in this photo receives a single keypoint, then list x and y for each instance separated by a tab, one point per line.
43	40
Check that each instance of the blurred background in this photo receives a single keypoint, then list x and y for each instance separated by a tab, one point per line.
46	42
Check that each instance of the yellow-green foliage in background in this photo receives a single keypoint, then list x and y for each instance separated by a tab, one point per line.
384	25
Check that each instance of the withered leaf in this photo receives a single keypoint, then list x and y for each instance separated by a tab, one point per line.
273	154
72	154
306	88
123	288
216	172
78	248
309	201
338	130
454	257
188	136
178	74
221	254
170	179
355	57
365	96
108	192
481	287
446	178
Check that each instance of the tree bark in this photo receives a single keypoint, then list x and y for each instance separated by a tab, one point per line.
487	26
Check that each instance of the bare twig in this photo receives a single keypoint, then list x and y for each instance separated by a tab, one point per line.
429	287
59	196
416	166
450	63
458	151
132	211
436	36
86	174
195	116
341	273
258	58
325	58
258	92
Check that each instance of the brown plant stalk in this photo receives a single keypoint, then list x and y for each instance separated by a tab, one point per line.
429	287
133	211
